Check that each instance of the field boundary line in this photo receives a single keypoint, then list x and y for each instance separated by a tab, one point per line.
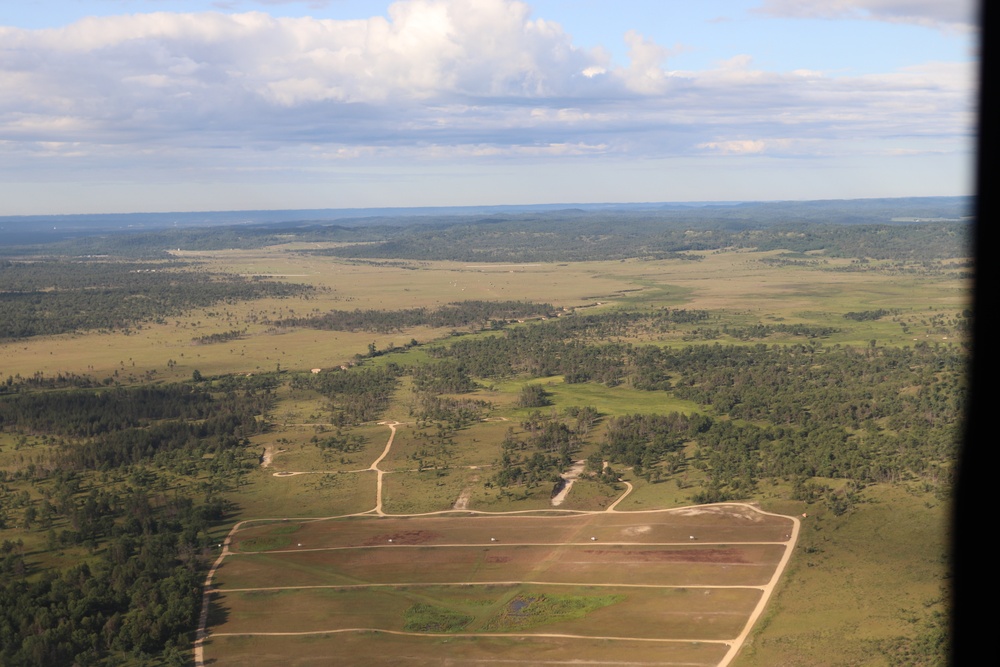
548	635
587	543
469	584
768	589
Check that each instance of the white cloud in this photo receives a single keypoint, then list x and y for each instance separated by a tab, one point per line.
645	72
736	146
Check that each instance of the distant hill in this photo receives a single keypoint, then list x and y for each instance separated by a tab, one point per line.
571	230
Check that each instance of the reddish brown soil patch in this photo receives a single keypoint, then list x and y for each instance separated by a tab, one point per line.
404	537
675	556
498	559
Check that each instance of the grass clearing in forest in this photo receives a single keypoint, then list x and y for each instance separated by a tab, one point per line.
305	495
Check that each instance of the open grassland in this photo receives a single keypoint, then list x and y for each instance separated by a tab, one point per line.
652	495
427	491
879	575
609	401
735	283
329	494
417	446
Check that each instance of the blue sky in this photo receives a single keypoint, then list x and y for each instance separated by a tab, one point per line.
159	105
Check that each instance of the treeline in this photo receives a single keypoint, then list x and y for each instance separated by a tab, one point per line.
86	413
870	315
758	331
223	337
50	297
39	381
109	428
456	413
626	323
649	235
643	440
456	314
537	455
357	395
840	229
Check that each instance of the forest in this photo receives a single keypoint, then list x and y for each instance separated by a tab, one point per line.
49	297
139	591
913	229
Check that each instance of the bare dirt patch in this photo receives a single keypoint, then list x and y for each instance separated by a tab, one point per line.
462	502
570	476
727	510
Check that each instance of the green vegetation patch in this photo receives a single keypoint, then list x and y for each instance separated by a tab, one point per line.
276	538
285	528
429	618
528	611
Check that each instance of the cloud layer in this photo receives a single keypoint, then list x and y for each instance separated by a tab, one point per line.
950	15
439	79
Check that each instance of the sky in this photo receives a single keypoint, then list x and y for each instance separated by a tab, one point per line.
114	106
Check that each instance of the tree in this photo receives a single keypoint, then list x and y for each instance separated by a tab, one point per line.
533	396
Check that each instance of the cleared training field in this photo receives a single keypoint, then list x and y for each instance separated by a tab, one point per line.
383	649
684	565
714	524
392	587
589	611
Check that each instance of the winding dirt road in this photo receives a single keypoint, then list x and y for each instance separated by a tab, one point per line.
374	466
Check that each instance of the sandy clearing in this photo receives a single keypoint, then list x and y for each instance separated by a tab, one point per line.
268	456
462	502
569	477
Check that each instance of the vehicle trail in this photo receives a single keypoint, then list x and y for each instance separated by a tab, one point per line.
374	466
